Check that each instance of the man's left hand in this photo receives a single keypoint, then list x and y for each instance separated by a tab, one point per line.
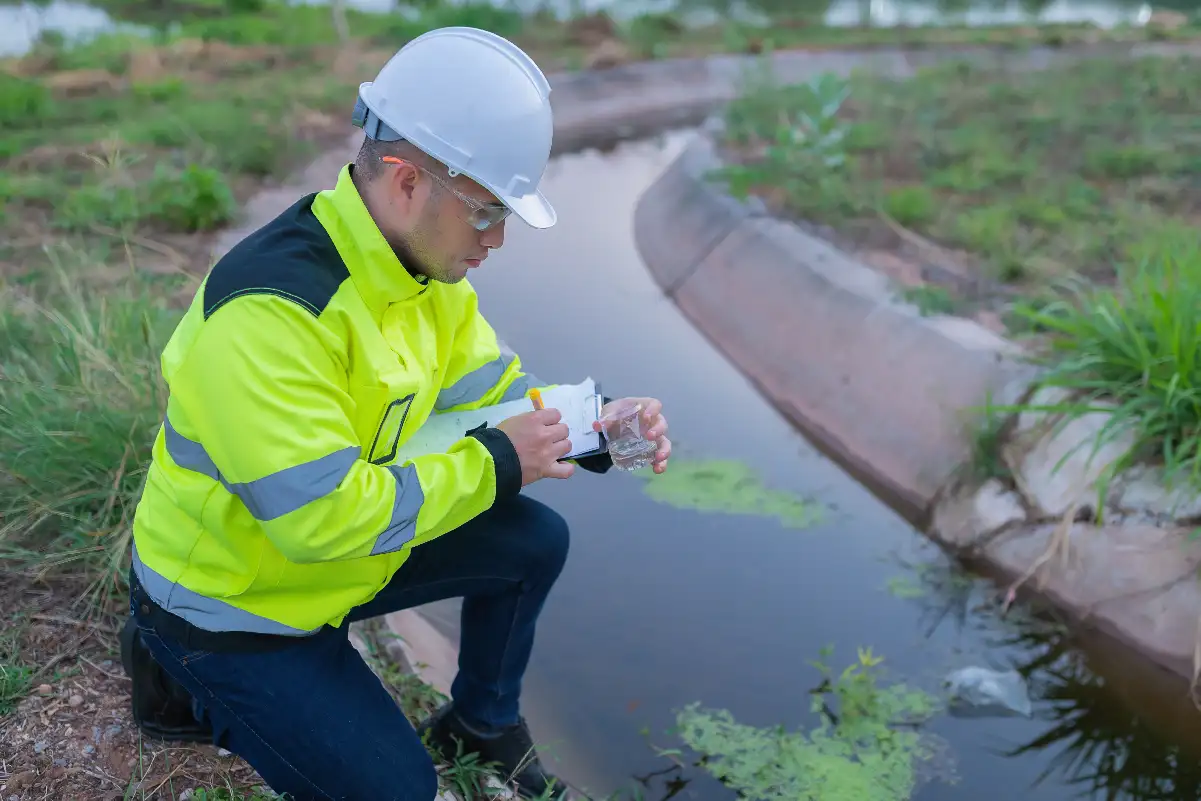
655	426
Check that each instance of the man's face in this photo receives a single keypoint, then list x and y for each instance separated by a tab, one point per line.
431	221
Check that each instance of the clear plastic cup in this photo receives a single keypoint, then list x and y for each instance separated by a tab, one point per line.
625	432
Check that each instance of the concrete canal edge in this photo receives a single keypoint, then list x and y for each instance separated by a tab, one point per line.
872	382
885	392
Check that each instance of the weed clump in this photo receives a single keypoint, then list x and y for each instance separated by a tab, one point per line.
1136	345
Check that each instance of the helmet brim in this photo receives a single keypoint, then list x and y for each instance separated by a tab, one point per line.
533	209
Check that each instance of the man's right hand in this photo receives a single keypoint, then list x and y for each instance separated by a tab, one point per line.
540	440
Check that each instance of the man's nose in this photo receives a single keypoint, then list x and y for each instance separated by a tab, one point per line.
494	237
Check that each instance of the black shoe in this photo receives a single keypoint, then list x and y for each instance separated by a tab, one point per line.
162	708
511	754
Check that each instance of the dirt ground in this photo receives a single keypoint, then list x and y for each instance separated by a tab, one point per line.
73	738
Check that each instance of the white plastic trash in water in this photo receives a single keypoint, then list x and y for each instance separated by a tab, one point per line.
978	692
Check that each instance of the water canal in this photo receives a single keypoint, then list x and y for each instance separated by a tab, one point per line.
717	592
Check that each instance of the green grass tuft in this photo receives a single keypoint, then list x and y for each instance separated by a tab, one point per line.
1137	345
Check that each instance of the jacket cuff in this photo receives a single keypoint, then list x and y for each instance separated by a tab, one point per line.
504	457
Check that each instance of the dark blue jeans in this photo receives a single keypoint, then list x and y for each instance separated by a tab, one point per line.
315	721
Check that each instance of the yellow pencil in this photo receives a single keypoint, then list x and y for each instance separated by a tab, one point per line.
536	397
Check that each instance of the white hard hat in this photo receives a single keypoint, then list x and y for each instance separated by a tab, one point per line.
475	102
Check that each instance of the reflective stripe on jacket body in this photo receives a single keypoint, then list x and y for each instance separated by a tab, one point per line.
308	356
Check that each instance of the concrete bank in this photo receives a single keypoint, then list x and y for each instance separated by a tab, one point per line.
887	393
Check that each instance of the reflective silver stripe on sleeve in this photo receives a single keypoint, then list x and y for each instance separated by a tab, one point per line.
403	525
188	454
280	493
210	614
519	388
475	385
273	495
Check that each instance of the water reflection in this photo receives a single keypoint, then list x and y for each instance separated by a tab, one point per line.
1091	743
1082	690
1101	748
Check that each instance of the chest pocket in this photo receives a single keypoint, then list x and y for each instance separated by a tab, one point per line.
386	439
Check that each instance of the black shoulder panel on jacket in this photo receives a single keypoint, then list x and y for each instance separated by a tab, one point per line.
292	257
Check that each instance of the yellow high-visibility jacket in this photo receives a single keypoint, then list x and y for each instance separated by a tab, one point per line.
273	502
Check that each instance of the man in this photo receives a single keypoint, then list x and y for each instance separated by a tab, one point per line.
275	512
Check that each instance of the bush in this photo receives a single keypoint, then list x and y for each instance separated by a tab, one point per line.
1138	345
80	402
194	199
23	103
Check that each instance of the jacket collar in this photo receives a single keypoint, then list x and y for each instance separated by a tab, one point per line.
378	275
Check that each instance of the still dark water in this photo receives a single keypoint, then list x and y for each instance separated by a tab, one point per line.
663	604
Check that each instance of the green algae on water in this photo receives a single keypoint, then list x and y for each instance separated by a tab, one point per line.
867	745
727	486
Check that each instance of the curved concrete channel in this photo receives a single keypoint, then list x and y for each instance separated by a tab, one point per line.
661	604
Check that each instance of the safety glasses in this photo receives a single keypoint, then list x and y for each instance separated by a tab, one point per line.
481	216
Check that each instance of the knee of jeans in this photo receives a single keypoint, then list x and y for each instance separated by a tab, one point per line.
553	540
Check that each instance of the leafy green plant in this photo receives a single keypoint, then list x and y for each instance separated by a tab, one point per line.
22	101
930	299
14	685
193	199
866	745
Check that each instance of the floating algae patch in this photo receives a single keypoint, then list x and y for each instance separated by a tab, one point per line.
868	744
729	486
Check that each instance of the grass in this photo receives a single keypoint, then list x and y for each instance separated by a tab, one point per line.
1027	179
80	401
1136	345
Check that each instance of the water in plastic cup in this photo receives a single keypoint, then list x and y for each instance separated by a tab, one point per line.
622	427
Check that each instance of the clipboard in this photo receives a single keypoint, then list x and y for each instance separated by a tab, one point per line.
580	404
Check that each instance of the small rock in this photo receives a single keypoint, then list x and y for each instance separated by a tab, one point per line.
40	746
1143	492
75	700
1028	421
77	83
963	519
186	795
89	750
60	763
95	734
1167	20
609	53
108	663
221	752
145	65
45	689
19	781
1053	486
113	730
